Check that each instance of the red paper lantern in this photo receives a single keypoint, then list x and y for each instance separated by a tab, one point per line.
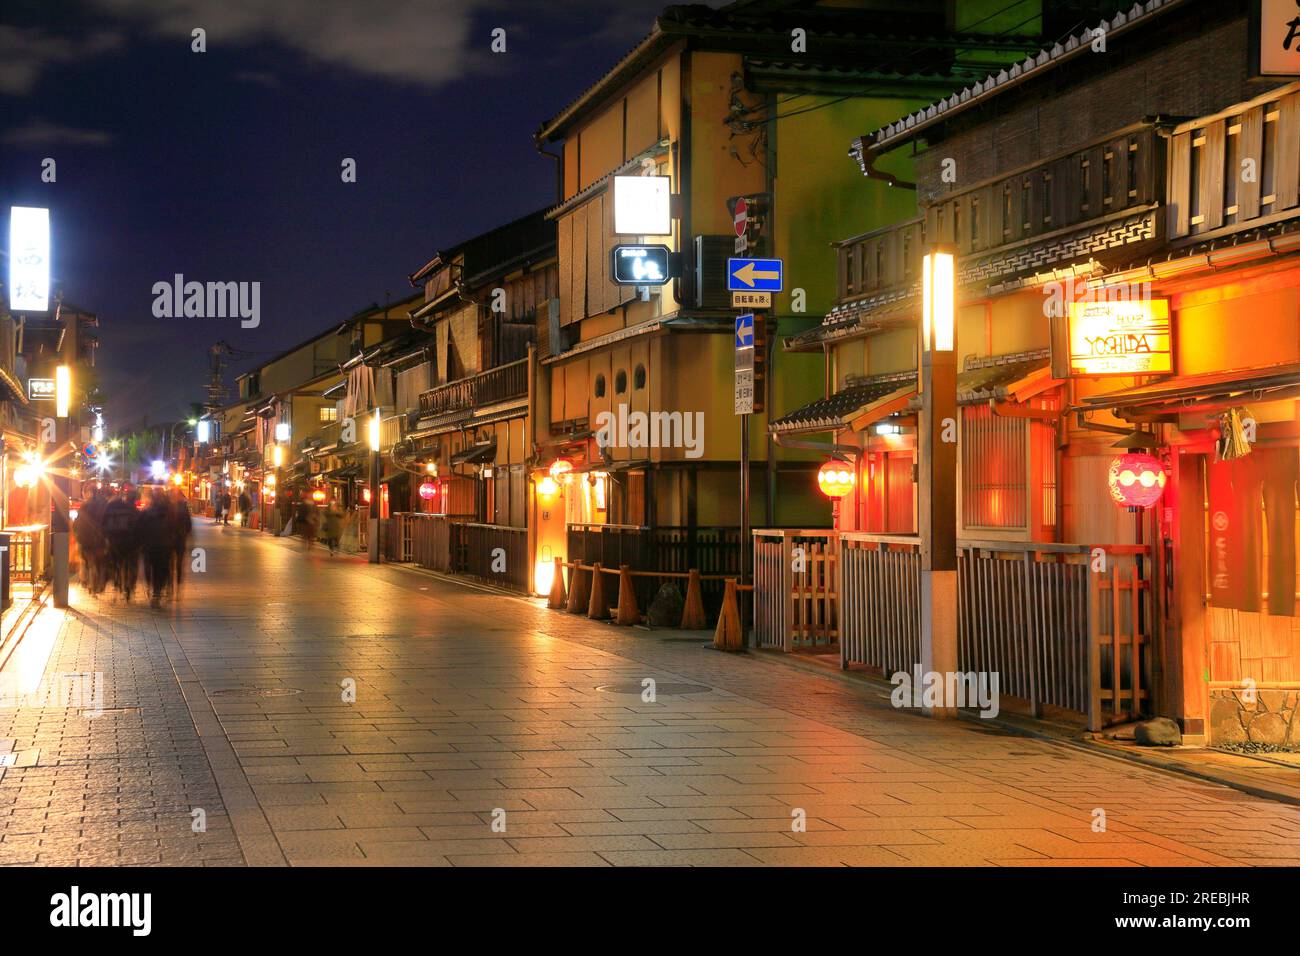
428	490
365	494
318	495
1136	480
836	478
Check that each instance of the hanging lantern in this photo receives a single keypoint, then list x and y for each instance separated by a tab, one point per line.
428	490
835	478
1136	480
365	494
561	467
318	495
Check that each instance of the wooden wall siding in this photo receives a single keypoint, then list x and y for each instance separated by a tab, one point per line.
1250	645
1206	189
1069	190
564	236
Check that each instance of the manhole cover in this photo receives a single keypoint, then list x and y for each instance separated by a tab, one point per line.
635	687
255	692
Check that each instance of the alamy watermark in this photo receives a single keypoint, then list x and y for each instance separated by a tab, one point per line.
635	429
935	690
81	691
209	300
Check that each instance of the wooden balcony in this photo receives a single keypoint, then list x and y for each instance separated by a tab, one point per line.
1073	206
499	384
1235	170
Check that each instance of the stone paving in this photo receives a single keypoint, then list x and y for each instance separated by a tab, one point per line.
321	711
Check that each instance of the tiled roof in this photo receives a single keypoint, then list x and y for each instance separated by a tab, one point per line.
990	377
835	412
906	128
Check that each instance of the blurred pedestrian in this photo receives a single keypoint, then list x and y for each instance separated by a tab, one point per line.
333	526
182	526
223	508
122	531
156	540
245	506
88	529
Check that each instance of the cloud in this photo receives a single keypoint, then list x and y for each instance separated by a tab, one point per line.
25	54
423	42
43	133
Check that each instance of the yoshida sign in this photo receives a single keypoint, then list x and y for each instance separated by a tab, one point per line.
1125	337
1275	37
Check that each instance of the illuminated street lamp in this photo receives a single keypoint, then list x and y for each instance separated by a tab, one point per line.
373	543
937	474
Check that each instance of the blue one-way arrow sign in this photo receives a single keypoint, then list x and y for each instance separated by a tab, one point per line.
745	331
754	275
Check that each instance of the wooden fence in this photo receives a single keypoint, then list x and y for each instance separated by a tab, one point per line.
710	550
795	589
1063	625
456	544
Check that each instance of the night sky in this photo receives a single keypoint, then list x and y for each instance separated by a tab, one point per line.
225	165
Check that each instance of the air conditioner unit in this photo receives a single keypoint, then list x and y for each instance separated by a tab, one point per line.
710	273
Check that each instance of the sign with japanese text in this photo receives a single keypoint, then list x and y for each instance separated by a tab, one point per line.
1123	337
1276	35
29	259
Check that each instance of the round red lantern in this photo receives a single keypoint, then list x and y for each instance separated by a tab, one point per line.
1136	480
561	467
428	490
836	478
318	495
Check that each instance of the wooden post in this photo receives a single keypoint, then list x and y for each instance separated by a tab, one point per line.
693	618
558	599
597	609
728	635
579	589
628	613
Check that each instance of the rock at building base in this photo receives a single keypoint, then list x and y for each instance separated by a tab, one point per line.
1159	732
666	608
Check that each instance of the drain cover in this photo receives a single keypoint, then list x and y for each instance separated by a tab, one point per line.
255	692
634	687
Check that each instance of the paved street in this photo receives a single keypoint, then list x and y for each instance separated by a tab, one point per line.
486	731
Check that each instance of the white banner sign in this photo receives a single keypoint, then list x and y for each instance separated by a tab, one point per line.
29	259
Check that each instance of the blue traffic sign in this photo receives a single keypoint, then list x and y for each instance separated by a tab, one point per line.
754	275
745	331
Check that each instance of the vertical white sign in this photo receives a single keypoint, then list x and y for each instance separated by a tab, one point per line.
29	259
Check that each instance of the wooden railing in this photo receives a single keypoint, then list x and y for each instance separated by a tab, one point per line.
495	385
459	545
1123	172
712	550
1261	138
1063	625
795	589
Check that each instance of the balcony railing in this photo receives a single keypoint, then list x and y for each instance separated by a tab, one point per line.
495	385
1020	220
1236	170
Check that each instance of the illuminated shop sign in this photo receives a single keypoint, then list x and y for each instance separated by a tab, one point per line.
1130	337
1275	38
29	259
640	265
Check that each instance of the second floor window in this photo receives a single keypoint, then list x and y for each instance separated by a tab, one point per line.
329	413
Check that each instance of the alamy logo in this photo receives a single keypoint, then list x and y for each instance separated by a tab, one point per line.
628	429
103	909
209	300
932	689
79	691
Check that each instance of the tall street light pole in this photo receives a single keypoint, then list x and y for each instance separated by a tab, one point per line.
937	493
59	520
373	527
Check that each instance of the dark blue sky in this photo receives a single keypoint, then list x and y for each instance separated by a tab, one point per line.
225	165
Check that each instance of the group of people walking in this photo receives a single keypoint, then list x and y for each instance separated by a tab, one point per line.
226	503
117	534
